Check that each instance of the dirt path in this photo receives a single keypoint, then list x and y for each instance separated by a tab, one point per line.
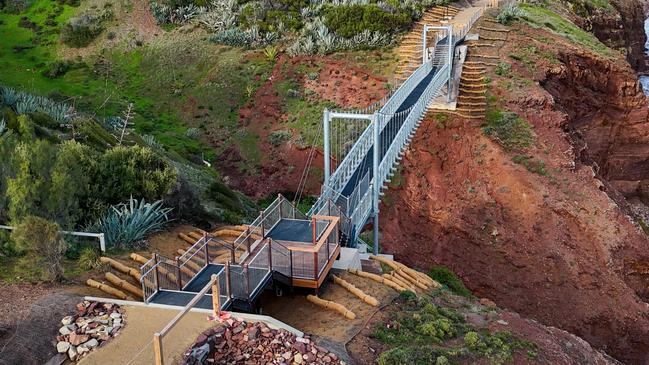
133	344
29	320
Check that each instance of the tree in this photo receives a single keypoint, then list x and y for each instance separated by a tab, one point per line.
71	177
41	238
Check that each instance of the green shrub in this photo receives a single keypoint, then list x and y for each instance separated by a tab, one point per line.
531	164
510	130
350	20
40	238
509	13
446	277
89	258
502	68
277	138
83	29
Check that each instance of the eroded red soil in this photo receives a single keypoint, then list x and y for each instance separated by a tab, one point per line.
551	245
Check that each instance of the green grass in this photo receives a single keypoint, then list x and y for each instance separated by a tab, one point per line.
543	17
531	164
508	129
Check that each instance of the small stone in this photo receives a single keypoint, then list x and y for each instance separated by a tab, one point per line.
326	359
82	349
117	322
92	343
302	339
488	303
500	321
72	353
62	347
64	330
115	315
333	356
287	355
66	320
298	358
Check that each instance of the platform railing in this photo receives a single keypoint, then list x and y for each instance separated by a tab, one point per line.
218	303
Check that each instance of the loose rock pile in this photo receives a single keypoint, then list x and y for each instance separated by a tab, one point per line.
255	343
93	324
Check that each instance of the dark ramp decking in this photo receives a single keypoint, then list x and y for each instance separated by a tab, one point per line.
181	299
200	280
292	230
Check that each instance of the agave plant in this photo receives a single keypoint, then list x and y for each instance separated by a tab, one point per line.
3	126
25	104
9	96
271	53
127	224
152	142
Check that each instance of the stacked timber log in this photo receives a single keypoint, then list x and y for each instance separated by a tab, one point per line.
331	305
357	292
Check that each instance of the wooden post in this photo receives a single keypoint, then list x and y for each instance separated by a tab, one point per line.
315	265
248	240
263	230
156	273
227	280
157	349
313	230
216	299
179	280
279	196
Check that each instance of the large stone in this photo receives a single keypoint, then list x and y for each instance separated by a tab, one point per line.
64	330
115	315
77	339
62	347
298	358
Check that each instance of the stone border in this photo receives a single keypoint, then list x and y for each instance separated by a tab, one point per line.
270	321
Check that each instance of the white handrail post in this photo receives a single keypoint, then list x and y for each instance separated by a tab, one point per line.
423	50
102	242
327	148
377	184
450	62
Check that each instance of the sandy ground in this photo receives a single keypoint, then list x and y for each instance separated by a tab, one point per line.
296	311
133	344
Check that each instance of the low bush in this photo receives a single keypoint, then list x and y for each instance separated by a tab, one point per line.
83	29
447	277
277	138
509	13
40	238
89	258
350	20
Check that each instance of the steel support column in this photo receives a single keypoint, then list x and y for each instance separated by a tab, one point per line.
376	187
327	147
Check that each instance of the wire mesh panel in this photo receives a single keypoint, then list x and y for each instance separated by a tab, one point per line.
281	258
238	282
303	265
148	280
259	268
194	260
320	228
323	258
